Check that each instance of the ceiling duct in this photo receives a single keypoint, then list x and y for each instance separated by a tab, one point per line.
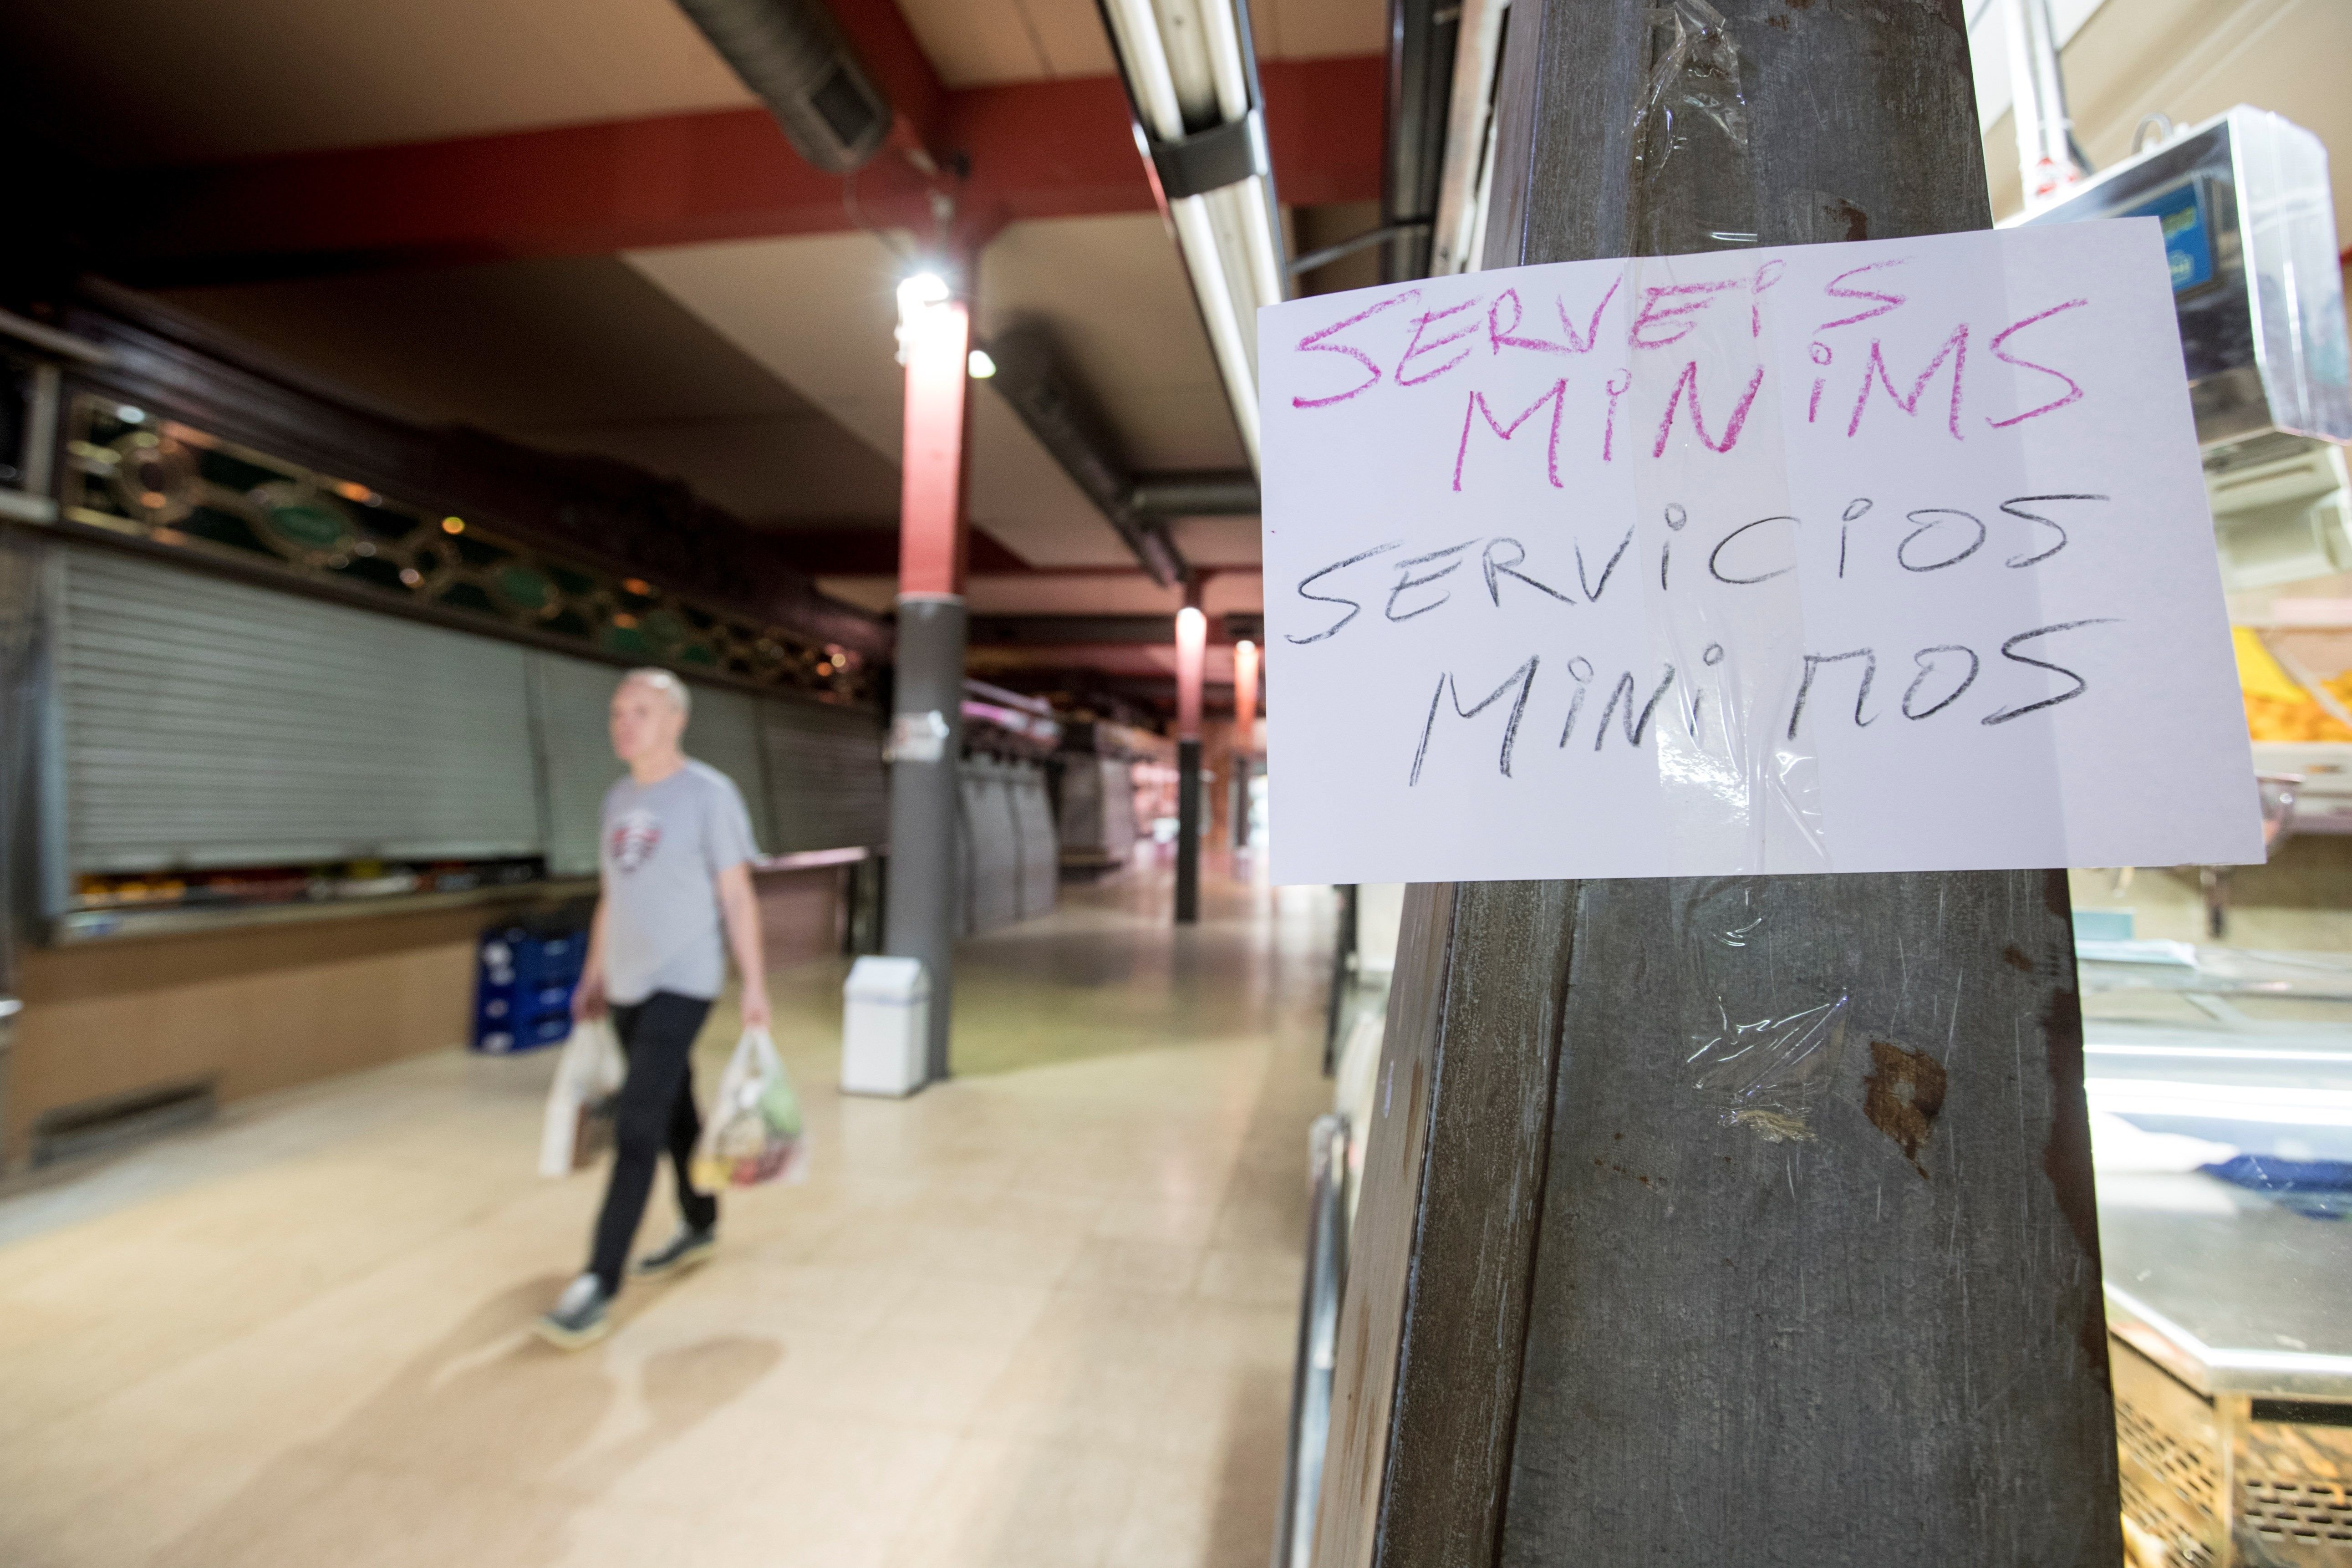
1031	377
792	56
1210	494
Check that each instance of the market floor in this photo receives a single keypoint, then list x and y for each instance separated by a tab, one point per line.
1040	1315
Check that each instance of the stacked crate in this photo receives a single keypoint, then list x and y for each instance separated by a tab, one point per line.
522	986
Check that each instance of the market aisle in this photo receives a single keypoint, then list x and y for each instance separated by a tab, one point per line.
1039	1315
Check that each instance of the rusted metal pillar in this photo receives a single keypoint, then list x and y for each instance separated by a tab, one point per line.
1597	1315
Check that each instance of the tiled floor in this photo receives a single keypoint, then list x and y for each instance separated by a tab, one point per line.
1041	1315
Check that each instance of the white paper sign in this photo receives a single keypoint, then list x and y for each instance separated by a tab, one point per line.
1874	557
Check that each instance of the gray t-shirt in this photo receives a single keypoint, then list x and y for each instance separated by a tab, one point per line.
662	846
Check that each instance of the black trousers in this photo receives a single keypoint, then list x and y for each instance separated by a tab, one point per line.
656	1109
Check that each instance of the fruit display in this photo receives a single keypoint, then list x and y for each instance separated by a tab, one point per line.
2277	708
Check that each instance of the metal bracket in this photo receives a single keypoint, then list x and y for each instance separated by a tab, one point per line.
1300	265
1210	160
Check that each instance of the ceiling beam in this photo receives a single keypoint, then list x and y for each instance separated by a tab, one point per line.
871	550
887	46
1072	631
1154	691
1034	150
1103	631
1323	121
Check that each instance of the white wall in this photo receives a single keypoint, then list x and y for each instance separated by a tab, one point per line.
2190	60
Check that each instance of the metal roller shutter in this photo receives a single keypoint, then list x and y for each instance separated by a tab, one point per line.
995	890
1120	830
212	723
826	788
966	856
571	702
1041	850
724	731
1083	829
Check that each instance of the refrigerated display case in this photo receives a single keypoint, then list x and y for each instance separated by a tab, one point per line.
2219	1085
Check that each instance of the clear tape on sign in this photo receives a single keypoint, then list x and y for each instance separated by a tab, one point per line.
1754	1058
1735	787
1693	112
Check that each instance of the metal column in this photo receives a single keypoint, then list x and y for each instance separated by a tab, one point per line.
1598	1320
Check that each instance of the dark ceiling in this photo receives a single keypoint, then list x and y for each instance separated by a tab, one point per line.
575	354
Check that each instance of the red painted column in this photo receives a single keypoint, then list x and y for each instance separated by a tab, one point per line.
1244	748
935	334
1245	694
922	916
1191	652
1191	648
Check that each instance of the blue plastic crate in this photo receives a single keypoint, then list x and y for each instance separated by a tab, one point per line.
551	1030
523	981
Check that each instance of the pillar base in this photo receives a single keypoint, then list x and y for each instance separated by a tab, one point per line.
920	905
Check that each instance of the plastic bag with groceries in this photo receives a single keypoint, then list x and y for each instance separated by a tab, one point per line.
753	1131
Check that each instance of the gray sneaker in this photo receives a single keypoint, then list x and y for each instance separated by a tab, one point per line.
578	1317
687	1247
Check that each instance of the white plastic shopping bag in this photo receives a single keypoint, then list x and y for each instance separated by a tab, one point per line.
753	1134
580	1104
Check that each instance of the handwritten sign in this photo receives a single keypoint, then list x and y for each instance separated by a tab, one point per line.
1874	557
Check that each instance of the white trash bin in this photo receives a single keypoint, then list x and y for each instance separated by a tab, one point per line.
886	1026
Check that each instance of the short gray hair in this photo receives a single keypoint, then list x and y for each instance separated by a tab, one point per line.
668	685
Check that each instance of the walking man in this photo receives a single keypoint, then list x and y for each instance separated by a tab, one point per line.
674	859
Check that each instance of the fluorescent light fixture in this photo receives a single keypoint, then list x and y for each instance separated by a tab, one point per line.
980	365
1191	74
1467	171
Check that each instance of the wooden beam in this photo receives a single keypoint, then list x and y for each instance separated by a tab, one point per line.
1033	150
1601	1317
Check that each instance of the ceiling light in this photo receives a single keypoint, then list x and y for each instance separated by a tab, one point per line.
919	292
926	316
980	365
1192	78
